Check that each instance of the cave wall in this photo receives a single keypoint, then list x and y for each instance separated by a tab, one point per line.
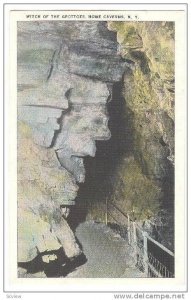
148	178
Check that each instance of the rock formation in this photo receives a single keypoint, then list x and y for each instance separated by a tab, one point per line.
65	76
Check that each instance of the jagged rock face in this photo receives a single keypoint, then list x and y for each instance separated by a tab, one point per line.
65	74
43	186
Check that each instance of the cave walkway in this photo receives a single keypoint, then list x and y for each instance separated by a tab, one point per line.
106	252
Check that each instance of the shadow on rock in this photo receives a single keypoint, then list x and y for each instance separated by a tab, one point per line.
60	267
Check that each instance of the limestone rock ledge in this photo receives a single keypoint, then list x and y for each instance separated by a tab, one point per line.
65	76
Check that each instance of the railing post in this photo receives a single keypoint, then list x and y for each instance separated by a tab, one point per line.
135	239
129	230
106	211
134	234
145	252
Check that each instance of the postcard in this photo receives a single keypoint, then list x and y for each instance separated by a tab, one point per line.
95	133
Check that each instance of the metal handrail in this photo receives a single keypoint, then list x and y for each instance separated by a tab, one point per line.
160	245
146	237
114	205
140	229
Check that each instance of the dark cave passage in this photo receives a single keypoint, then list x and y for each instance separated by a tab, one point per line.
101	170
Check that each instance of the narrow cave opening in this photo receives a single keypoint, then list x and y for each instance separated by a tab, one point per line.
101	170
